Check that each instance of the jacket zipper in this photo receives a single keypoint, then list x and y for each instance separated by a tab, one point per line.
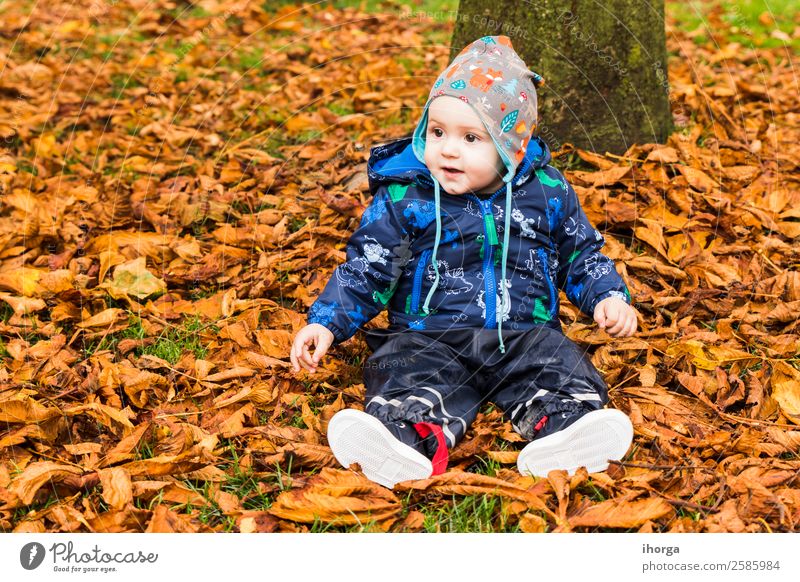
489	242
546	268
418	274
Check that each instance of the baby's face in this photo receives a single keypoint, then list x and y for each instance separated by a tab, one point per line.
458	151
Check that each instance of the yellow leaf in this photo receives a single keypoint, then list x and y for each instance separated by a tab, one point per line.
23	281
133	279
503	457
105	318
45	145
707	357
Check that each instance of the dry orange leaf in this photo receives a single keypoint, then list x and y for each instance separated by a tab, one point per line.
38	474
785	384
621	513
338	496
117	489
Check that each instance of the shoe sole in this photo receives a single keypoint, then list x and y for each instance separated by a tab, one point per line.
591	441
357	437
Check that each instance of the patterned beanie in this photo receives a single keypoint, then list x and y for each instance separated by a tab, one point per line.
491	78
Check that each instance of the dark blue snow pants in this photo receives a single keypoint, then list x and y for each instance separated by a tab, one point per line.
444	377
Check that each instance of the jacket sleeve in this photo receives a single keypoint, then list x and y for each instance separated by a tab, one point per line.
361	287
584	273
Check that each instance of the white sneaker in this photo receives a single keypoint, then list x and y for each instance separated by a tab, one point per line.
357	437
591	441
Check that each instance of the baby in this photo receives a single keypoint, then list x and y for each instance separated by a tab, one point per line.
469	236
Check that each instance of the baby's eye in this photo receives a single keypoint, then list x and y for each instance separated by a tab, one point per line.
472	138
436	132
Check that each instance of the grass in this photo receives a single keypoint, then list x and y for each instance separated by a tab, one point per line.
145	449
174	341
21	512
209	514
470	514
5	312
435	8
170	345
744	17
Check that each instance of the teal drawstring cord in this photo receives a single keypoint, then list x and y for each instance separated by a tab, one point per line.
435	247
506	229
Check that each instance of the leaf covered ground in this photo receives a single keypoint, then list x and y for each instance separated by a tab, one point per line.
177	182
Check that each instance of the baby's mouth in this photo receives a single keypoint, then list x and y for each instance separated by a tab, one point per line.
452	171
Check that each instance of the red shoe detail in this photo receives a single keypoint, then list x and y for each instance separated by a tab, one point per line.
540	425
439	460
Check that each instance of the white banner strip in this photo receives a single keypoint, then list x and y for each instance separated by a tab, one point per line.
398	557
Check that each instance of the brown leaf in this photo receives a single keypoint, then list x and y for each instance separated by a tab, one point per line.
664	155
167	521
195	458
105	318
275	343
532	523
785	384
340	497
231	374
38	474
129	519
462	483
117	489
503	457
622	514
258	522
25	411
604	177
698	179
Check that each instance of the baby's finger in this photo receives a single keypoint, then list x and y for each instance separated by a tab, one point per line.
618	325
307	358
632	326
293	358
323	343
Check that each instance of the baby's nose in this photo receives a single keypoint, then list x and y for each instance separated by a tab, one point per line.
450	148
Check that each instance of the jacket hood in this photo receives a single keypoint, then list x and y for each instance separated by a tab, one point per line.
396	162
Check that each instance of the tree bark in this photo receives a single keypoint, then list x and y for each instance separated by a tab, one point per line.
604	65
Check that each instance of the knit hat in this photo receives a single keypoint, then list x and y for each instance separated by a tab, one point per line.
489	76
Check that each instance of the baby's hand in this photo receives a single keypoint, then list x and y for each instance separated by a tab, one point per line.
313	333
616	317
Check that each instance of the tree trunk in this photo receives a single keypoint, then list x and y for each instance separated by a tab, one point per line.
604	65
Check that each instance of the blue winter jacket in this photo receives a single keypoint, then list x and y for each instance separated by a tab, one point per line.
551	246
